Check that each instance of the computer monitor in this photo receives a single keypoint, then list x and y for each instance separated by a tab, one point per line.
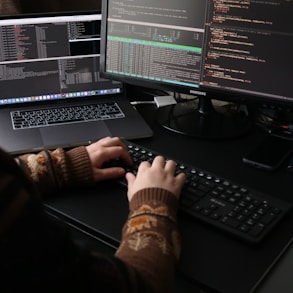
237	51
50	56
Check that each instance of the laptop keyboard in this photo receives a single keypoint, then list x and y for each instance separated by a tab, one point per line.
61	115
219	202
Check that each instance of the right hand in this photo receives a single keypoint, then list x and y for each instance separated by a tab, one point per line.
159	174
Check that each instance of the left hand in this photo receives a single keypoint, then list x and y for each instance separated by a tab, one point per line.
106	149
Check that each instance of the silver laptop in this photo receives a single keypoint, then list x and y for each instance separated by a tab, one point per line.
49	62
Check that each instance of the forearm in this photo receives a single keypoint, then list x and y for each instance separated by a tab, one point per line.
52	170
151	241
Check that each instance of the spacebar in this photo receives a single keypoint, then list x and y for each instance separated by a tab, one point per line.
65	121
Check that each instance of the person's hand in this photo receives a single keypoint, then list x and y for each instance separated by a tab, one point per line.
104	150
159	174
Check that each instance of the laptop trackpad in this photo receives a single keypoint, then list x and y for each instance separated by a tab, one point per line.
73	134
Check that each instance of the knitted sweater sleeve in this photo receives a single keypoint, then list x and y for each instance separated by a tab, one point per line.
53	170
151	241
36	251
9	7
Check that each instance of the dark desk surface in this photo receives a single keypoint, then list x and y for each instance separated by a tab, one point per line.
209	259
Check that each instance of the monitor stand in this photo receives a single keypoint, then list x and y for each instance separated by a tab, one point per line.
202	119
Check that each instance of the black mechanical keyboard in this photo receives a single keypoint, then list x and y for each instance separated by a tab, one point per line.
235	209
68	114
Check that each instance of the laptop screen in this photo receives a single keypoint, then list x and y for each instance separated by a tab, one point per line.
51	57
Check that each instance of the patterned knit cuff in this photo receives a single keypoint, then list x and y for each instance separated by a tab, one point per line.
155	198
78	167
